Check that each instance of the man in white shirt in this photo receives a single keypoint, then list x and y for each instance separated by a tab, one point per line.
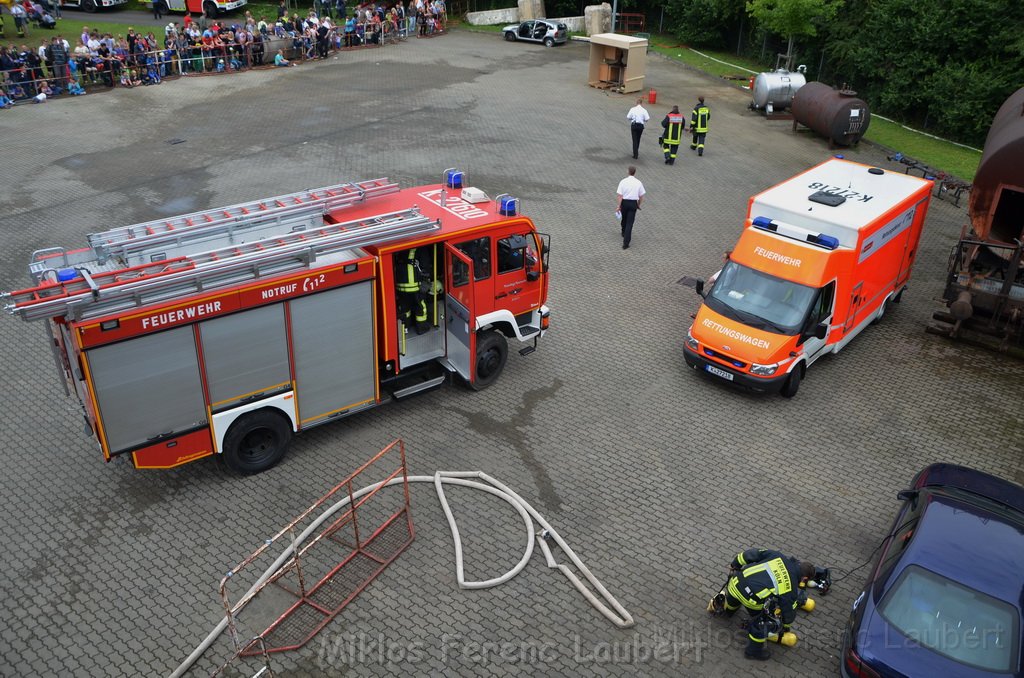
631	194
638	117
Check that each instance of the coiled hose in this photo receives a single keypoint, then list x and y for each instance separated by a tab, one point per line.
606	604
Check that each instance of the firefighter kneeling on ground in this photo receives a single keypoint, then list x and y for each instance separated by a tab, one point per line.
415	288
760	577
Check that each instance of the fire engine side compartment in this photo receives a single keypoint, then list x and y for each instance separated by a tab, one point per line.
168	397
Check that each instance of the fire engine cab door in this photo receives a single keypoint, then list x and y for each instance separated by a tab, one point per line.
176	5
460	315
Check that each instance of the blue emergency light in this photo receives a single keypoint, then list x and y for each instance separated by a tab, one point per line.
508	206
827	241
453	178
66	274
765	223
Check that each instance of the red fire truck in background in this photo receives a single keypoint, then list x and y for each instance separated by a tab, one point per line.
226	331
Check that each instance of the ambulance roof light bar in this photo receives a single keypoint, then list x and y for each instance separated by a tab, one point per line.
827	242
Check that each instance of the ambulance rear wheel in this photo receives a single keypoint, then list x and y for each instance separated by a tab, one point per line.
881	312
491	354
256	442
792	384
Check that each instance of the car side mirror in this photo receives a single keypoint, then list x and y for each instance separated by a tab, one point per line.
820	331
908	495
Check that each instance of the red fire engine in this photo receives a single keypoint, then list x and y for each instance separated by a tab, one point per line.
226	331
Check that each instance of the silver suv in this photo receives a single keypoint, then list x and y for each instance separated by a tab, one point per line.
541	30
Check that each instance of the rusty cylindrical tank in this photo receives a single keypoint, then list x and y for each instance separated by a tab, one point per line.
776	88
997	196
837	115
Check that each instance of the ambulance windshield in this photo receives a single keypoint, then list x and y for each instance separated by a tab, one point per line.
760	300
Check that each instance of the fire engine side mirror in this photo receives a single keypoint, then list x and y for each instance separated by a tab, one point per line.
533	275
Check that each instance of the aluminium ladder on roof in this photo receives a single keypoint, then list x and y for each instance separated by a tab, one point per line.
127	245
109	292
331	197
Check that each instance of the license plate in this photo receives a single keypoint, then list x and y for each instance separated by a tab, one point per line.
718	373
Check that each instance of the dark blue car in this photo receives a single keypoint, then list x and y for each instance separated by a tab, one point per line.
945	597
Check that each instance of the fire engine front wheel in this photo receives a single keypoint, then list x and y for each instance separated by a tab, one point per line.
491	354
256	442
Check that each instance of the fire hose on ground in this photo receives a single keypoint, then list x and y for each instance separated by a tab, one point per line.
606	604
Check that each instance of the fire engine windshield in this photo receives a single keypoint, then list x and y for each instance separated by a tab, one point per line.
760	300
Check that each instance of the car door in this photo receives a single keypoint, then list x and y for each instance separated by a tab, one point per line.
519	279
460	317
821	312
526	30
540	29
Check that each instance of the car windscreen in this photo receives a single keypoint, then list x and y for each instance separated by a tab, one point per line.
760	300
956	621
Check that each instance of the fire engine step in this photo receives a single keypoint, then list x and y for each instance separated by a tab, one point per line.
418	388
429	377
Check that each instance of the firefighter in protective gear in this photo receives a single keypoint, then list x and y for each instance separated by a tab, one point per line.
673	134
699	120
413	307
757	576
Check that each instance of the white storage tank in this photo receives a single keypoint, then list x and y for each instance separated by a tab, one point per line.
774	91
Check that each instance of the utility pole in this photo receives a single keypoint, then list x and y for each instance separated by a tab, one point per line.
615	11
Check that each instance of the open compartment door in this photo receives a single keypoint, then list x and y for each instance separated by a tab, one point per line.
460	313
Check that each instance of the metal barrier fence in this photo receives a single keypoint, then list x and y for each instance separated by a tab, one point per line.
91	74
335	548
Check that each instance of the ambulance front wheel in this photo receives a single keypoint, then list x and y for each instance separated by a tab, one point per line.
792	384
491	354
256	442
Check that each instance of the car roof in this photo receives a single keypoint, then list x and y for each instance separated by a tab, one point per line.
962	537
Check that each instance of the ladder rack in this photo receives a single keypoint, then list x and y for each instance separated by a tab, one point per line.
94	295
139	243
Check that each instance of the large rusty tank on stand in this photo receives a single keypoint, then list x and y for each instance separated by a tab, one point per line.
837	115
997	196
984	291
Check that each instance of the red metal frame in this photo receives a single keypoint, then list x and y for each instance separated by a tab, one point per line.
363	548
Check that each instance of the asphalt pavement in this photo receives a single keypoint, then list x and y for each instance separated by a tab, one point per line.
654	475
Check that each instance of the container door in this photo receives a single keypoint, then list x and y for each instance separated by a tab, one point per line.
460	315
856	300
333	352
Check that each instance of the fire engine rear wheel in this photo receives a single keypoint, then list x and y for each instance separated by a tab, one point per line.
256	441
211	9
792	384
491	354
89	6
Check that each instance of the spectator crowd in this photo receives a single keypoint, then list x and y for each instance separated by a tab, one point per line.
55	66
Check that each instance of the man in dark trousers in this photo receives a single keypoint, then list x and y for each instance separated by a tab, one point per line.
631	195
672	134
638	117
759	575
699	120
